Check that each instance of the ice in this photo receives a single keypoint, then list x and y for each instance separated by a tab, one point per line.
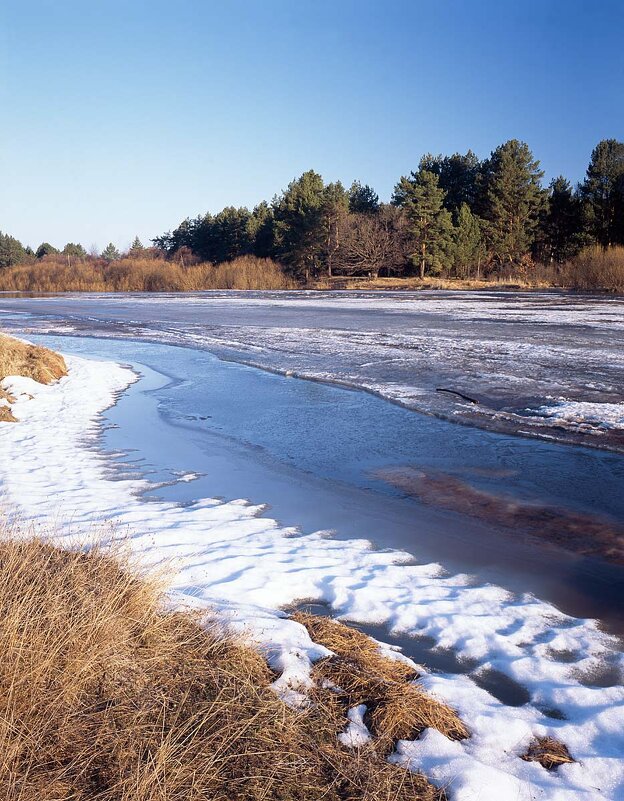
222	555
510	351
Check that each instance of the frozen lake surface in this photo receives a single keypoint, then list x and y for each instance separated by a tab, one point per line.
544	364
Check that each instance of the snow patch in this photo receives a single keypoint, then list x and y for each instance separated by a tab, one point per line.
583	414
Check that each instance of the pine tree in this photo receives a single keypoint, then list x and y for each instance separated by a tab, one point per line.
45	249
457	176
334	210
11	251
561	235
299	231
603	193
469	247
363	199
513	200
110	253
430	223
261	230
74	251
136	248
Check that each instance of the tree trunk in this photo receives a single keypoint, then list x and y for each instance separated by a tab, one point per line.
422	260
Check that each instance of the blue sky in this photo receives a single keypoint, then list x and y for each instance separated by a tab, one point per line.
122	117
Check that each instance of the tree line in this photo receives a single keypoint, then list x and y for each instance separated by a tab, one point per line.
454	216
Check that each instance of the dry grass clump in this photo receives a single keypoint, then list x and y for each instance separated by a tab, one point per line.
596	268
130	274
397	709
31	361
104	695
550	753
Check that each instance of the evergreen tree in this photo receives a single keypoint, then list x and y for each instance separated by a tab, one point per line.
261	230
299	224
561	235
603	193
335	208
363	199
136	248
74	251
430	223
231	234
110	253
469	247
457	176
513	200
45	249
11	251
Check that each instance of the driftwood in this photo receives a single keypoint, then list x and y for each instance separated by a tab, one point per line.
459	394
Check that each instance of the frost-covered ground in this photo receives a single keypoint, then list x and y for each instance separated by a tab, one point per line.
246	565
523	357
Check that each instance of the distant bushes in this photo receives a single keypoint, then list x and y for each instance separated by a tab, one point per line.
130	274
596	268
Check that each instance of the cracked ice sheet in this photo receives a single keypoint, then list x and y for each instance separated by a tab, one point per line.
508	350
246	566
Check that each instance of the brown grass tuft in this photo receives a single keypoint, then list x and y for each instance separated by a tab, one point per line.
31	361
550	753
104	695
397	709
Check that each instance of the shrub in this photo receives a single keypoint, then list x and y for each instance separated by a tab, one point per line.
144	274
596	268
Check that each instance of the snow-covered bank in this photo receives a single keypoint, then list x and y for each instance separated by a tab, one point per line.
248	565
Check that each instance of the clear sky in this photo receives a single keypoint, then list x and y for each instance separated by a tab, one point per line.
122	117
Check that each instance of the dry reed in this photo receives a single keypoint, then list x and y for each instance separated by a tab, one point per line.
396	707
106	696
549	752
55	274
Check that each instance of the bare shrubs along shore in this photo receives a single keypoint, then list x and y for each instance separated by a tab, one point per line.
130	274
593	269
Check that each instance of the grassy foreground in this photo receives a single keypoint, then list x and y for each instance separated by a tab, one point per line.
30	361
105	695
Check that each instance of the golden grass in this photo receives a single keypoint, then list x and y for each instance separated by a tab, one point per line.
596	268
414	283
549	752
104	695
397	709
54	274
31	361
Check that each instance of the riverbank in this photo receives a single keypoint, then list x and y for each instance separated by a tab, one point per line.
21	360
244	566
116	696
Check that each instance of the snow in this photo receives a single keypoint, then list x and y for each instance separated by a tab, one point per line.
225	556
583	414
356	733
